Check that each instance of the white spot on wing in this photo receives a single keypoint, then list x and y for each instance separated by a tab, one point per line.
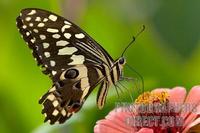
42	37
27	33
55	112
63	112
53	72
33	40
65	27
67	35
67	51
52	89
24	26
52	30
47	54
77	59
57	122
55	103
66	22
45	45
51	97
52	63
68	114
31	24
49	121
32	12
45	20
41	25
38	19
35	30
80	35
61	43
53	17
28	18
56	36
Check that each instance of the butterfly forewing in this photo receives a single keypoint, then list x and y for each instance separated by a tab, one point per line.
57	42
75	62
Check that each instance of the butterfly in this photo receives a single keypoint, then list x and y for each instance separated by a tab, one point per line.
74	61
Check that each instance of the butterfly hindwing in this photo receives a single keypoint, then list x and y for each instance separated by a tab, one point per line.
69	92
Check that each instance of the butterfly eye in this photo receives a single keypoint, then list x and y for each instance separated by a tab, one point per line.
121	61
71	73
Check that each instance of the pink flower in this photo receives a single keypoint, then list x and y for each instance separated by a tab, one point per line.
174	112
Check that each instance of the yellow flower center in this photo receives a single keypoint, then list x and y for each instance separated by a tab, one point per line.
152	97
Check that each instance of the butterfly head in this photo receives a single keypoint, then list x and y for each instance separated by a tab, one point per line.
122	61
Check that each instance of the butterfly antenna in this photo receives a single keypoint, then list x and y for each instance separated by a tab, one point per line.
133	40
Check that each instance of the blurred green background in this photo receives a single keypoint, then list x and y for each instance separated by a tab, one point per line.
167	54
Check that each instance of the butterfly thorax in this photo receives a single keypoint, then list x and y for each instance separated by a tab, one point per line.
114	73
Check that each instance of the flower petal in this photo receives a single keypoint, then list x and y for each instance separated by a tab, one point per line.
145	130
192	102
194	123
115	122
177	95
192	119
103	128
194	95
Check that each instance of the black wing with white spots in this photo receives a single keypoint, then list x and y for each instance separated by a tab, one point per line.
74	61
58	43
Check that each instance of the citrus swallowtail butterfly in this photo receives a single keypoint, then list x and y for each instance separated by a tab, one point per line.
75	62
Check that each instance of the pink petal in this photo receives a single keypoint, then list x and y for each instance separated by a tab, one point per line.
193	99
194	95
194	123
119	116
101	128
115	122
112	125
177	95
192	119
197	110
145	130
